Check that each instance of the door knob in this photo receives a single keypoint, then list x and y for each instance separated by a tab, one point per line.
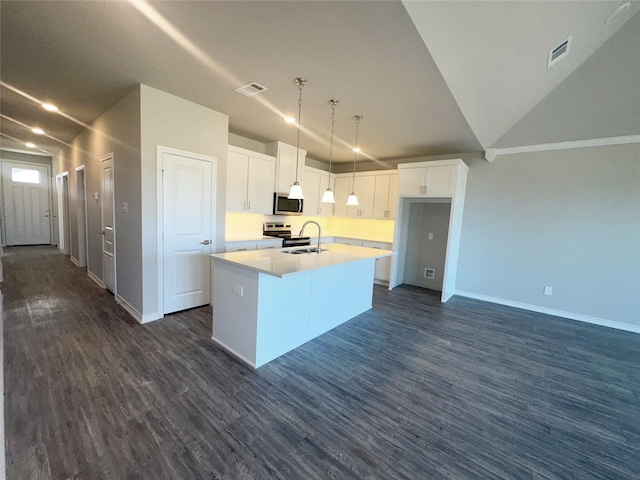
206	242
46	213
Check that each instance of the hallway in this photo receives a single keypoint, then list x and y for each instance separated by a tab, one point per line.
411	389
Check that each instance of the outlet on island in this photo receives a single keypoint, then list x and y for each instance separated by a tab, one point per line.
238	290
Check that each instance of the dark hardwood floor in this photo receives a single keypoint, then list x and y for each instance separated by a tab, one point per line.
412	389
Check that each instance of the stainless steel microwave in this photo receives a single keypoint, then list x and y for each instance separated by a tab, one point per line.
286	206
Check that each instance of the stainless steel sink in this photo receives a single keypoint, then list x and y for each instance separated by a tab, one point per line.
300	251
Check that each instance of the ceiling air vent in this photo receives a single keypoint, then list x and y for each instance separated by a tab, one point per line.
559	52
251	89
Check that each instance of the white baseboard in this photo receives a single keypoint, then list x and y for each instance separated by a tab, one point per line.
129	308
550	311
150	317
74	260
93	277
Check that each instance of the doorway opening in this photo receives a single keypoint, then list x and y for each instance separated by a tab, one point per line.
81	209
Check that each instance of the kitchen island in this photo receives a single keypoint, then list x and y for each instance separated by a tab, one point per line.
268	302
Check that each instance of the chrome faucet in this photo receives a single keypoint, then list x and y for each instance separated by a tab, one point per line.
319	231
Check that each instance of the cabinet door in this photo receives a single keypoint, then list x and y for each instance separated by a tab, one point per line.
366	195
439	180
260	177
286	168
341	192
286	160
392	205
236	182
411	181
311	186
381	196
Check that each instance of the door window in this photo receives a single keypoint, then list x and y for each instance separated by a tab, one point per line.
25	175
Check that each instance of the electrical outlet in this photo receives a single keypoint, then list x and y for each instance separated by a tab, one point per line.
548	290
429	273
430	236
125	207
238	290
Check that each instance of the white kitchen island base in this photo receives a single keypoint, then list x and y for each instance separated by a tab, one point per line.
260	316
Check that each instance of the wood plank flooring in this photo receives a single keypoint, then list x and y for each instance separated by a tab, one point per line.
412	389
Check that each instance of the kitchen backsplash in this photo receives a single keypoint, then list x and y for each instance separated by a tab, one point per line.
240	226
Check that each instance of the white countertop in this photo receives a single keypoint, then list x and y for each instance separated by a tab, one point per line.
279	264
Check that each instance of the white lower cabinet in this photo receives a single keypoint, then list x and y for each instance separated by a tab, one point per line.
383	265
242	246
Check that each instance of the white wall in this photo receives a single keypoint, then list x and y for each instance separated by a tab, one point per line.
117	131
173	122
568	219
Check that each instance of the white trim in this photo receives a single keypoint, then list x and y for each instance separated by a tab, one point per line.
160	151
86	219
550	311
93	277
491	153
129	308
74	260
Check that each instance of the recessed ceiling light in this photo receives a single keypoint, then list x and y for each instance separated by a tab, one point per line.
37	131
49	107
30	145
289	119
622	9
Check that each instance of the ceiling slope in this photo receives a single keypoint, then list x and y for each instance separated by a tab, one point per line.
601	99
493	54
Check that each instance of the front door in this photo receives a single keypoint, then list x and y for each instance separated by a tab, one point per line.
108	224
26	203
187	186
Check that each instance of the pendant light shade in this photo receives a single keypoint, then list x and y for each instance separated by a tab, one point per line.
327	196
296	190
352	201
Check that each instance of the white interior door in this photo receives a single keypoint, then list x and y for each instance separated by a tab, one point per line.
108	225
187	190
26	203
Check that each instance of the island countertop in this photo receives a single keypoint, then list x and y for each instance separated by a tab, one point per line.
281	264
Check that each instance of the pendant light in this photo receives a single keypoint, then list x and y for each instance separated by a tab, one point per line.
296	190
353	200
327	196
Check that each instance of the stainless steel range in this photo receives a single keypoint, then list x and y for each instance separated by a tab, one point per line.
283	230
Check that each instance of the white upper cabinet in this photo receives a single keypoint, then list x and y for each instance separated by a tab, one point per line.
341	191
364	188
314	182
250	180
286	158
377	195
385	200
429	179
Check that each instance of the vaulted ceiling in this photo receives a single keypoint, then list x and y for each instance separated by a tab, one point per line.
430	78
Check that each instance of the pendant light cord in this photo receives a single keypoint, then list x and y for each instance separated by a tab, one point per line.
333	120
355	152
300	83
